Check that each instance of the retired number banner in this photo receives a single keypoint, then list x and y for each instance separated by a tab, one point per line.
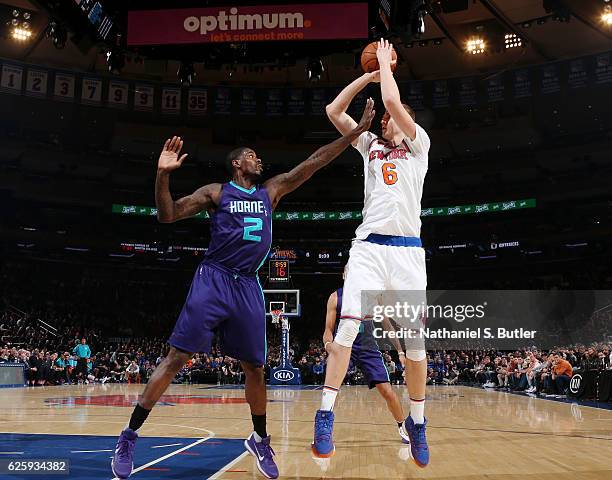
248	24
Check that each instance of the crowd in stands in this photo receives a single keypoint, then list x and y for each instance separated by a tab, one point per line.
530	371
65	354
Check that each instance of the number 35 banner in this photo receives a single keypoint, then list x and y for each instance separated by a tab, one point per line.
197	101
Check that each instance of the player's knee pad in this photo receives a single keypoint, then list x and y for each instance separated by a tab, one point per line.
348	329
416	355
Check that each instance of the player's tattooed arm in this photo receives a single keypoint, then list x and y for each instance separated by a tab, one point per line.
168	210
285	183
390	92
330	319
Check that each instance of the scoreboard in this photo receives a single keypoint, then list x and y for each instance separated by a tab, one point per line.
278	271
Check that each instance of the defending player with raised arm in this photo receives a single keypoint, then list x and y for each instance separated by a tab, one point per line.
225	294
246	169
387	254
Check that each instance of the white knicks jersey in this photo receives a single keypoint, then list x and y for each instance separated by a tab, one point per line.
393	184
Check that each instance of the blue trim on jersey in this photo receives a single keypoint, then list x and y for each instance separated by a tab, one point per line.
271	228
394	241
263	297
242	189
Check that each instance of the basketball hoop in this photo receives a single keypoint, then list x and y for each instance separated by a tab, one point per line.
276	315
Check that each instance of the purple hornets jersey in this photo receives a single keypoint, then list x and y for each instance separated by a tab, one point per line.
241	229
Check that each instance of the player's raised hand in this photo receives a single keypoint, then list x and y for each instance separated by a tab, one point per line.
367	117
169	158
384	52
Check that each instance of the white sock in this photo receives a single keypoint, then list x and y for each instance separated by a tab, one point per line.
329	398
257	438
417	411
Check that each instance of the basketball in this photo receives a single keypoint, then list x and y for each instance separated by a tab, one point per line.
369	62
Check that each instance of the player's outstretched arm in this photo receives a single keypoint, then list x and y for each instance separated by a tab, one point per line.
336	110
330	319
390	93
168	210
285	183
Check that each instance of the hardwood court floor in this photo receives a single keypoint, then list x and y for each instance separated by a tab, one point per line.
473	434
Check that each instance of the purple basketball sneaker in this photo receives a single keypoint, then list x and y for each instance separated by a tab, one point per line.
123	460
263	454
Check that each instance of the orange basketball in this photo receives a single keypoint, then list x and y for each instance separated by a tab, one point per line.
369	62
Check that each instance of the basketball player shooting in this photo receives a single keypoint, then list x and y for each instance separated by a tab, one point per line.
387	253
225	293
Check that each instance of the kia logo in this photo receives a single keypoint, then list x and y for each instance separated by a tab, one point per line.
284	375
575	383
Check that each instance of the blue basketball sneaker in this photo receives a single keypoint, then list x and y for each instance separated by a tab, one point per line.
418	442
123	460
323	445
263	453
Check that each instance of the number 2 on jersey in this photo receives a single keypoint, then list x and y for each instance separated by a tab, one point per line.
389	173
252	225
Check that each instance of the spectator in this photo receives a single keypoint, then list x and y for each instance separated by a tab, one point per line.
82	353
562	373
132	372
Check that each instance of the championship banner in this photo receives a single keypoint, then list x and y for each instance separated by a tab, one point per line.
466	94
64	87
248	24
318	101
441	94
12	78
275	104
36	83
495	89
91	91
144	97
521	81
578	76
296	104
223	101
197	101
414	95
603	68
248	101
118	94
171	101
356	214
549	80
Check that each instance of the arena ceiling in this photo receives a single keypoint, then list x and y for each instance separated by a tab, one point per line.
442	54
